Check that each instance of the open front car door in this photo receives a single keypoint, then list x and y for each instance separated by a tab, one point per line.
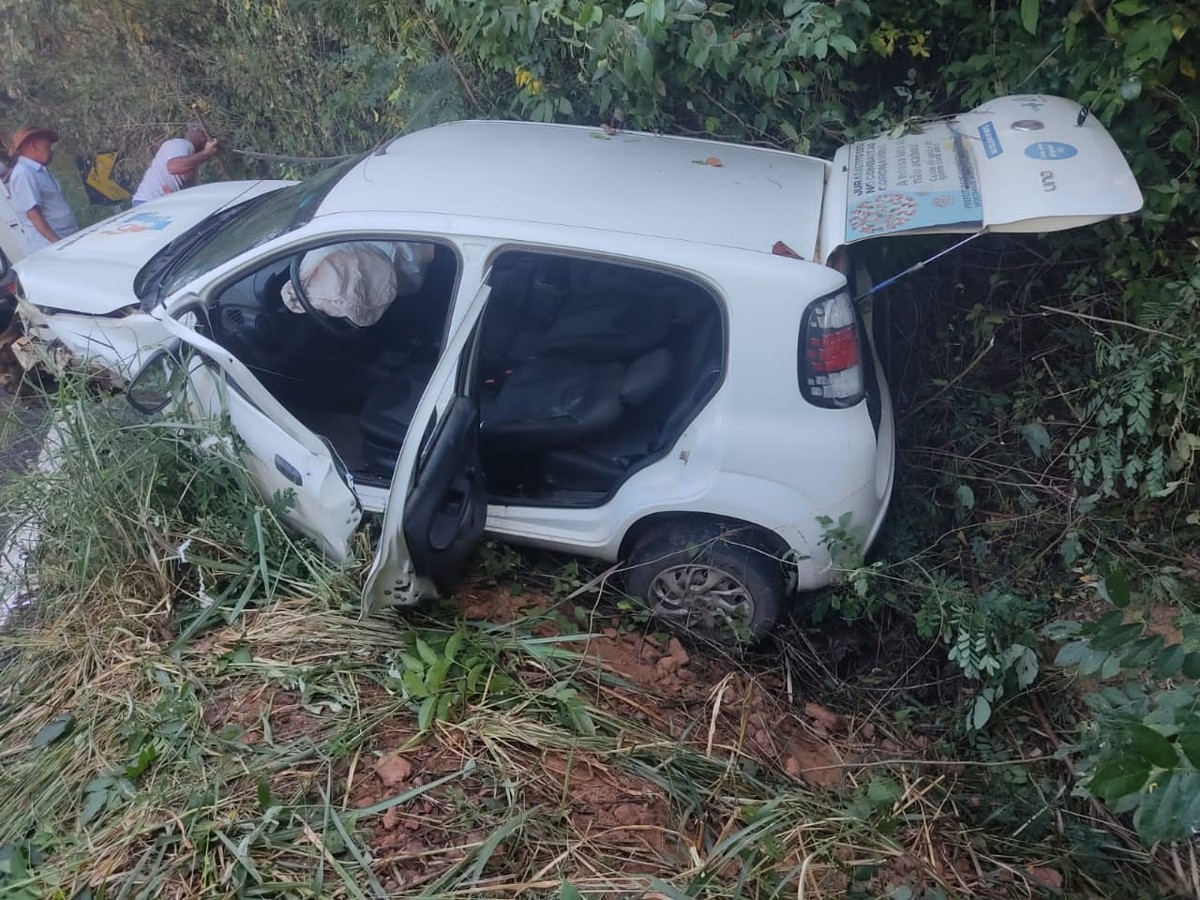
437	504
280	454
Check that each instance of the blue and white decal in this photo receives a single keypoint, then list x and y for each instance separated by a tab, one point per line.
138	221
1050	150
990	140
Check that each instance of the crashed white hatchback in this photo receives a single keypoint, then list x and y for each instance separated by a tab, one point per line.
627	346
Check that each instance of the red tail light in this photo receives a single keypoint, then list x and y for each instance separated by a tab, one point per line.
831	368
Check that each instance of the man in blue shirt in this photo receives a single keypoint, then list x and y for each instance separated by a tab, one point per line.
36	194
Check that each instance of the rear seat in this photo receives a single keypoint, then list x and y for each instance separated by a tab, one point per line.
554	306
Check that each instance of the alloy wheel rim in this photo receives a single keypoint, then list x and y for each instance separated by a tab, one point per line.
701	598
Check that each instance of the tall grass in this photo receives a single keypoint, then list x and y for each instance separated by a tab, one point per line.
191	707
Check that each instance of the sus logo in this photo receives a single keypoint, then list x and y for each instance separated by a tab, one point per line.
144	221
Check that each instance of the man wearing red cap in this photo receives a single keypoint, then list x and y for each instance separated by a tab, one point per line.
36	194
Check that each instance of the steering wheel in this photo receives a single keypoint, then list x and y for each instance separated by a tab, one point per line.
336	326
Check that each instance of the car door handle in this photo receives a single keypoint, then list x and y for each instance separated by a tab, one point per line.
288	471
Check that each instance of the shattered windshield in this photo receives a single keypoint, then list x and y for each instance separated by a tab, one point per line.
229	232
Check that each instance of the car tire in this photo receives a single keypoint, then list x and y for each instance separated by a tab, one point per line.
722	585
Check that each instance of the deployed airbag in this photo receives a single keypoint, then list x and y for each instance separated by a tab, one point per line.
358	280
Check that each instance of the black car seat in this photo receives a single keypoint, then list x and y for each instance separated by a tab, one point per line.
546	402
560	401
388	412
546	306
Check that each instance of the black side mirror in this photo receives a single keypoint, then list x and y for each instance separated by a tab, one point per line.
158	382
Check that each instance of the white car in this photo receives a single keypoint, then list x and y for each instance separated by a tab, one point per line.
12	250
622	345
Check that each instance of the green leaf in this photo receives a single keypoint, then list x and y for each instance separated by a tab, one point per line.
1108	620
1071	654
426	712
1170	808
453	643
265	800
1117	778
843	44
1189	743
1118	636
1029	15
965	496
882	790
443	707
1037	437
1191	666
658	10
414	684
635	9
58	727
1143	651
981	712
645	61
427	653
1023	662
1116	588
93	802
1152	746
1092	661
1170	662
12	863
145	757
569	892
1111	667
475	676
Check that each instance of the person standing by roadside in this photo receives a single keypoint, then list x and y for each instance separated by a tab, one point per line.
176	163
36	194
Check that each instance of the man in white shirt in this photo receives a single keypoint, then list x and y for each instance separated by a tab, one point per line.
36	194
176	163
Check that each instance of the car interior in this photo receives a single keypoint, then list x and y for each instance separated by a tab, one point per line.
588	370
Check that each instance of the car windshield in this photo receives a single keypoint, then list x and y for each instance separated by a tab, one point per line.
229	232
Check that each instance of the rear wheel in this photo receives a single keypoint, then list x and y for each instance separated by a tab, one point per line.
724	586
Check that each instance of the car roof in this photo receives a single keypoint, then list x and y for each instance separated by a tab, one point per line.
567	176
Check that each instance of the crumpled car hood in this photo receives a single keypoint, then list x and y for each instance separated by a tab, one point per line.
92	271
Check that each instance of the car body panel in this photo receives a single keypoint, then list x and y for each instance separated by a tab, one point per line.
1028	163
520	172
280	453
392	579
12	231
93	270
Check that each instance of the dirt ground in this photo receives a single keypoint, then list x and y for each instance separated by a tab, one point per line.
697	698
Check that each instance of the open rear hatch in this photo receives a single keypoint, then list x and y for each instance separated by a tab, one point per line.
1027	163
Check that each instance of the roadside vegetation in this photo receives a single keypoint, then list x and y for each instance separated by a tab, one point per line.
193	707
1000	701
